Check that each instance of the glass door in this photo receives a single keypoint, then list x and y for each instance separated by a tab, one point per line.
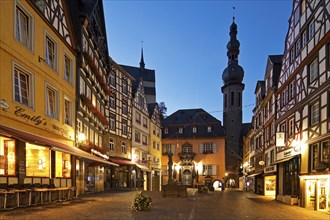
323	195
310	194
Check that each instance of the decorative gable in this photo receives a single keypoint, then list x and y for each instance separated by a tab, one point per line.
54	12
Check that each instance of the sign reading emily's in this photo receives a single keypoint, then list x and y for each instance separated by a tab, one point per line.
36	119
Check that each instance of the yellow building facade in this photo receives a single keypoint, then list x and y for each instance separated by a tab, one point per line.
155	144
37	93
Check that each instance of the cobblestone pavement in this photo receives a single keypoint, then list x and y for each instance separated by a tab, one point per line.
212	206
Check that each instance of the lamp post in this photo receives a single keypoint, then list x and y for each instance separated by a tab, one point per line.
170	164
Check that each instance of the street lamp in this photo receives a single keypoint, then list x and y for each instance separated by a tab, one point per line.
81	138
261	162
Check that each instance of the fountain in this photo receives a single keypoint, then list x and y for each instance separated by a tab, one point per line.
173	189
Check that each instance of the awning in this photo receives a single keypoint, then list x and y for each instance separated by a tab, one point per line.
122	161
57	146
254	174
144	168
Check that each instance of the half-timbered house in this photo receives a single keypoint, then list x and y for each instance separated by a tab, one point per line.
93	91
273	68
119	133
303	108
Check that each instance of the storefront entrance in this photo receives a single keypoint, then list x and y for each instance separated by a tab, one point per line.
270	186
186	177
317	194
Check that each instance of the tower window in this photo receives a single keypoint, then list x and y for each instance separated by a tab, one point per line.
239	98
226	100
232	98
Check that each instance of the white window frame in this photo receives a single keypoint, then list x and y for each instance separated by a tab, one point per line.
112	125
19	7
145	122
315	113
68	121
291	127
311	30
30	86
123	148
56	101
313	70
71	70
180	130
82	85
112	102
112	79
79	127
53	64
291	90
194	129
209	129
124	108
144	139
207	170
111	145
124	129
137	137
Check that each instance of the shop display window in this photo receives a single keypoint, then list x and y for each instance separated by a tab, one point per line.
7	156
63	165
37	160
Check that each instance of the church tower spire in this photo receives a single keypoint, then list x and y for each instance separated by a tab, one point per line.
142	65
232	90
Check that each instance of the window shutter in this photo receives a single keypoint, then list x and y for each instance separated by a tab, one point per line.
214	147
214	170
201	148
173	148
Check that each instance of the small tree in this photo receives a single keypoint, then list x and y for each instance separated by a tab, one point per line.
162	110
141	202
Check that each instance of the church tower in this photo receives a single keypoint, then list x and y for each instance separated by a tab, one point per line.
232	91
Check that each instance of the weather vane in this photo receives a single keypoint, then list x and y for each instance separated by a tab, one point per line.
233	12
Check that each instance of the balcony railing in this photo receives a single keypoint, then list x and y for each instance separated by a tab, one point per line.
187	155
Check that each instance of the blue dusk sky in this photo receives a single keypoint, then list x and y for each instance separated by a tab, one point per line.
185	43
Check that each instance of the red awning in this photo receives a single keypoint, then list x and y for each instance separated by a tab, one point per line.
122	161
57	146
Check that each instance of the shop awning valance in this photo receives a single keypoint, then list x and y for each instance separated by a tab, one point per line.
122	161
54	145
144	168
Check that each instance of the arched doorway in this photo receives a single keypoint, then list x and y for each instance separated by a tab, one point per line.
230	183
186	177
218	185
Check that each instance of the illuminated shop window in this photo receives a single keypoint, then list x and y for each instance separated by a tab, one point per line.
63	165
37	160
7	156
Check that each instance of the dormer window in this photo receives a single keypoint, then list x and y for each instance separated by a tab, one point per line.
180	130
194	129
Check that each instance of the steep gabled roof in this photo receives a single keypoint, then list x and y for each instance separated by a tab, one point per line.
187	119
151	108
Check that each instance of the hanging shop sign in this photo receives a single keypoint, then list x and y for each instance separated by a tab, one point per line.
280	139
